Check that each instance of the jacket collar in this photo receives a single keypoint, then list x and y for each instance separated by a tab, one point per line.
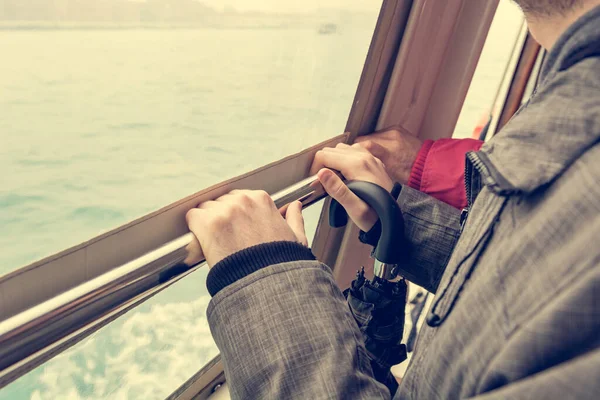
559	123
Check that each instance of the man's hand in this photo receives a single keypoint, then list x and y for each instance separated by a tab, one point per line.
355	163
397	149
241	219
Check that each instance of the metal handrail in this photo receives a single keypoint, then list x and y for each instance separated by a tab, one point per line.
31	331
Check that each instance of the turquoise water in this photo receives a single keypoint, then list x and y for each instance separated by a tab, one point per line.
101	127
98	127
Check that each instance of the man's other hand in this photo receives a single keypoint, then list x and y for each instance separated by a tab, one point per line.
355	163
396	148
241	219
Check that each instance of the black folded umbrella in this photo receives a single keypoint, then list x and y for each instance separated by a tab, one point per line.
378	308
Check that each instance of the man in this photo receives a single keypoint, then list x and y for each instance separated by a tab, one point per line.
517	306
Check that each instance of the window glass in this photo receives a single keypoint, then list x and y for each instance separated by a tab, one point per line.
111	109
491	67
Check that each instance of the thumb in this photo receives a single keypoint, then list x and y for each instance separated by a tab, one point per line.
293	216
359	212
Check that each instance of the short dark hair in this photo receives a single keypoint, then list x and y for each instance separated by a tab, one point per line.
546	8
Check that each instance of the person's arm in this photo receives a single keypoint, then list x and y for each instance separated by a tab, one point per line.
439	169
286	332
282	325
431	226
432	167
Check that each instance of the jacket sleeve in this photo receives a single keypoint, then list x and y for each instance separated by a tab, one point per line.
439	169
286	332
432	229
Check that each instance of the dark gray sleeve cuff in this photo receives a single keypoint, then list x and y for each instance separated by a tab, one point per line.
247	261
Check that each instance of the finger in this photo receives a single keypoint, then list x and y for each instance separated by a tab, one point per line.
317	163
195	219
358	211
192	215
361	147
235	192
235	196
333	159
283	210
194	252
350	151
294	218
342	149
342	146
207	205
345	149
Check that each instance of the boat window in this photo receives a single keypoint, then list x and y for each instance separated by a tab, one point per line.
136	104
490	71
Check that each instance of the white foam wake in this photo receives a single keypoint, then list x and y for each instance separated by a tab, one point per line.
146	354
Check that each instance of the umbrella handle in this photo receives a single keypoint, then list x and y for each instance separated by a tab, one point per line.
392	247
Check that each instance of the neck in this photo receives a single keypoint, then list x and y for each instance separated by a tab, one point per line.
547	29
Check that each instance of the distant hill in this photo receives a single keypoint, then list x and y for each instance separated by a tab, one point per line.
165	14
150	11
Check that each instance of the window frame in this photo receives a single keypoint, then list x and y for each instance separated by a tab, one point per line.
525	64
22	289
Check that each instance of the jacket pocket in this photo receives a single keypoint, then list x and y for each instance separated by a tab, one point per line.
473	242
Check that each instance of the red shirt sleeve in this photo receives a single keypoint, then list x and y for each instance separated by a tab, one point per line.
439	169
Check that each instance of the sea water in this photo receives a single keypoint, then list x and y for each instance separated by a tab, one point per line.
100	125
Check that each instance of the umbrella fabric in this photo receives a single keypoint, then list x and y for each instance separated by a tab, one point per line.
378	308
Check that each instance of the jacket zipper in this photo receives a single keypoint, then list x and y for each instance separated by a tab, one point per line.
472	162
465	211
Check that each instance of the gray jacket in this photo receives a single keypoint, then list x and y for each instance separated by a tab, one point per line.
517	306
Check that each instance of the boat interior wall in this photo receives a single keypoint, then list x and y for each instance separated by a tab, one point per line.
430	80
519	80
527	61
435	66
378	67
40	281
